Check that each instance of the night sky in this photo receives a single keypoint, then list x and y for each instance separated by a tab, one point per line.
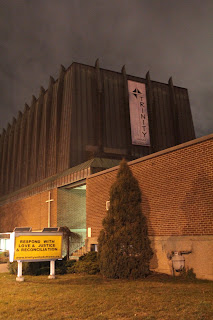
168	38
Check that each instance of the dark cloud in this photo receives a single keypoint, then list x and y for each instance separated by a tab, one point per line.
169	38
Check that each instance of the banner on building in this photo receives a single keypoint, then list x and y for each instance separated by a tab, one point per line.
138	113
35	246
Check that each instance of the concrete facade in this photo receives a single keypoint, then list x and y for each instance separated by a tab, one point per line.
198	253
85	114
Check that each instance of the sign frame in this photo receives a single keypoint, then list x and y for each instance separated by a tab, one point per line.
15	235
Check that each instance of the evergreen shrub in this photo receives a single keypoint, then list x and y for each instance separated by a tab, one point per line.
39	268
88	263
123	246
69	265
30	268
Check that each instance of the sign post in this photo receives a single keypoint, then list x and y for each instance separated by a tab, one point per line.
34	247
19	272
52	270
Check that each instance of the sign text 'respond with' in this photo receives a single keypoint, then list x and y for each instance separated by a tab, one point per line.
37	246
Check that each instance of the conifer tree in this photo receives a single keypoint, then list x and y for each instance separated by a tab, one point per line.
124	247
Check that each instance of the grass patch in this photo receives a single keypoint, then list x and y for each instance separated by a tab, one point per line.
74	296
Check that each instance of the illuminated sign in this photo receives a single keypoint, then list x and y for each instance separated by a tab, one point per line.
138	113
35	246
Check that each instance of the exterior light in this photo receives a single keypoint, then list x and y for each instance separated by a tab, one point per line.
89	232
107	205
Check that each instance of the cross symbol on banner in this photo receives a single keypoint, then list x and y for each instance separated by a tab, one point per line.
136	93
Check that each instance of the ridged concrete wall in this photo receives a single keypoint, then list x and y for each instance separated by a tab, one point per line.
85	114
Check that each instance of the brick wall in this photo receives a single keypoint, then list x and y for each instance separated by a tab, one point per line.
176	186
177	194
29	212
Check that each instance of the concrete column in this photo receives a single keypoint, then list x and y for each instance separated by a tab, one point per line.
52	270
19	272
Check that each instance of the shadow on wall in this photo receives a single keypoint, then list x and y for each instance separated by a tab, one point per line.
146	212
198	205
10	217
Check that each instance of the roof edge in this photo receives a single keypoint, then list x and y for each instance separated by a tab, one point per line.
158	154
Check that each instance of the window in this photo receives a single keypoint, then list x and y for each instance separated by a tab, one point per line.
94	247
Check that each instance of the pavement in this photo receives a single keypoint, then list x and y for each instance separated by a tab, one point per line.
3	267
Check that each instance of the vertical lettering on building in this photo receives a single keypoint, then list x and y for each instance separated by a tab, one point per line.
138	113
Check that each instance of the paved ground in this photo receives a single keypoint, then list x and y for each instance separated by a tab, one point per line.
3	267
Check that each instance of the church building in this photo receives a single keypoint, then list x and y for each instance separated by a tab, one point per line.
59	157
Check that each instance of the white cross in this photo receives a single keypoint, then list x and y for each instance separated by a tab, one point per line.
49	202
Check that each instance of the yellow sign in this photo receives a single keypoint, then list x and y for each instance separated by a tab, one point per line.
38	247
